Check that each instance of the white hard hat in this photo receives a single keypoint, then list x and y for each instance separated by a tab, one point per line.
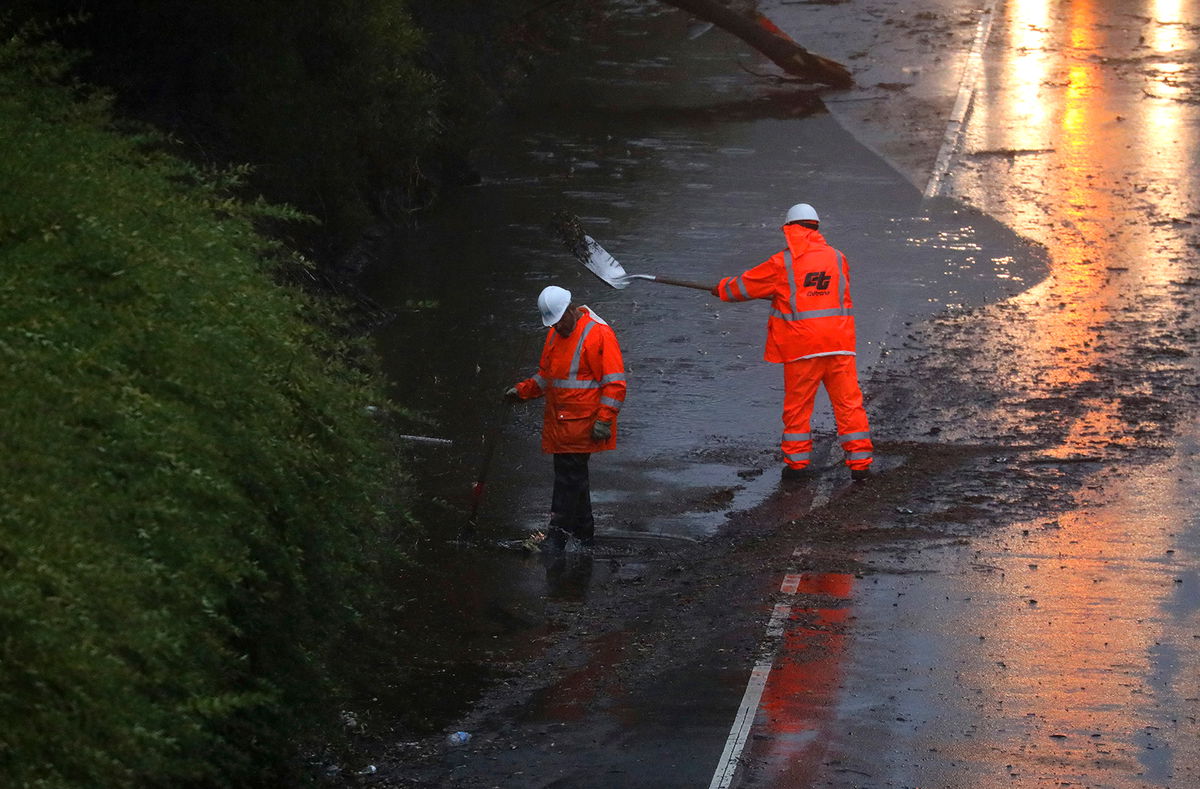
802	212
553	302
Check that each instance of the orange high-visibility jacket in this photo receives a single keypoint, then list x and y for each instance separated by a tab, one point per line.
809	287
583	379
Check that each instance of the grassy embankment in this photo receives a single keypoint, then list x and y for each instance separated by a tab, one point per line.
192	488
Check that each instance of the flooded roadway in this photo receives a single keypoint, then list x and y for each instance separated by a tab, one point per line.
680	163
1043	635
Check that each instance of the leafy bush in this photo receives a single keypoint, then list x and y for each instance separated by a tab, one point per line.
192	486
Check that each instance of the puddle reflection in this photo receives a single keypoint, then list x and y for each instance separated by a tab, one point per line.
568	576
790	733
572	697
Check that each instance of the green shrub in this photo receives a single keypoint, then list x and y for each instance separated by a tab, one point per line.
192	487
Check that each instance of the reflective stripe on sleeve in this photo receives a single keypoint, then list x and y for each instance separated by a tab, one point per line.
844	437
539	380
610	402
608	379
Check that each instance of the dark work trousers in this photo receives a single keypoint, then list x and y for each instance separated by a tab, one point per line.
571	505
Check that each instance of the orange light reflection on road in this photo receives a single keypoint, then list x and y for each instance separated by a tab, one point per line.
1049	102
1025	70
1073	649
1098	155
798	701
1168	34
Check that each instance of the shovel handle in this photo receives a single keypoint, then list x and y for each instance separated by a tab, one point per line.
683	283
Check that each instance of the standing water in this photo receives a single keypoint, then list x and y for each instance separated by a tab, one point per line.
680	162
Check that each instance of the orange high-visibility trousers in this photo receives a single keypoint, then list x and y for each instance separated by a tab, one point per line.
840	377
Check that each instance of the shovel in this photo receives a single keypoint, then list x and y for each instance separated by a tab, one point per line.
598	261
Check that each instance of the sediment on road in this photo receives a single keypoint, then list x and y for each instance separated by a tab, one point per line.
995	424
979	437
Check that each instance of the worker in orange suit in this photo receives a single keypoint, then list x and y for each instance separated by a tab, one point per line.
582	376
810	332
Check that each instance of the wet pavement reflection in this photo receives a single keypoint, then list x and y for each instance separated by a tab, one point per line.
1060	651
792	729
682	164
1085	154
1056	650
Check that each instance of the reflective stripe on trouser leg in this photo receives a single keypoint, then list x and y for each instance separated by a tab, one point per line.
800	381
854	433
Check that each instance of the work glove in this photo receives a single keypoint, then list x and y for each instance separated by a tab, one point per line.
511	393
601	431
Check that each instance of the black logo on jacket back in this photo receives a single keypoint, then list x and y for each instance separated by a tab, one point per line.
817	279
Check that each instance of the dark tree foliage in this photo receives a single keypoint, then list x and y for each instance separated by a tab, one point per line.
328	100
353	111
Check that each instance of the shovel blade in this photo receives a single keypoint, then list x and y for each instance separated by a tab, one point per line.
604	265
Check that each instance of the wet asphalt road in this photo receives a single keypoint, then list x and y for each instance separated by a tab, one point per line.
1061	648
1025	615
679	163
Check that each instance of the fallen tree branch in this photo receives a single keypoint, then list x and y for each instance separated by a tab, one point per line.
781	50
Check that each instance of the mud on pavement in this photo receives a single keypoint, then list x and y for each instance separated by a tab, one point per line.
990	446
604	664
1018	604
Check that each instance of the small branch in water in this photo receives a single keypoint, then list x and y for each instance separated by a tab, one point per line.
424	439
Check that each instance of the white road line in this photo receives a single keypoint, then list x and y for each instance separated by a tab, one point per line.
744	721
778	617
726	768
962	104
